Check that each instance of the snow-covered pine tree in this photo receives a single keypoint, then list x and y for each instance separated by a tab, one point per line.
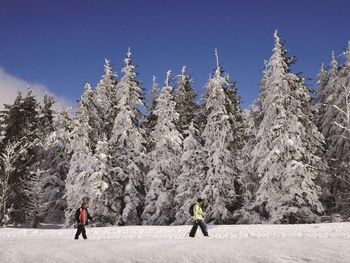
165	164
184	97
338	138
8	159
53	168
322	80
21	124
127	145
95	120
223	139
326	96
33	192
192	179
151	119
99	184
249	179
80	164
287	154
105	99
46	116
154	93
35	182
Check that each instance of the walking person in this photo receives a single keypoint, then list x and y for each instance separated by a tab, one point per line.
198	218
82	217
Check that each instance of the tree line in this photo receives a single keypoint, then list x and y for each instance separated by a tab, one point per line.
283	160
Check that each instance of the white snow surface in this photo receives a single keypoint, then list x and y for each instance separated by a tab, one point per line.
235	243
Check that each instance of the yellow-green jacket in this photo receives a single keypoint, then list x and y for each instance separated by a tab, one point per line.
197	212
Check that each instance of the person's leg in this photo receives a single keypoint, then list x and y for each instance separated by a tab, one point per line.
78	232
84	232
194	229
204	228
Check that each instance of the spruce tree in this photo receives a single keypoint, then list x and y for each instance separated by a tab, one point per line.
184	97
46	116
327	95
338	136
105	100
33	192
249	179
223	139
53	168
192	179
8	159
286	156
95	120
151	119
165	161
21	124
35	182
127	144
98	185
79	167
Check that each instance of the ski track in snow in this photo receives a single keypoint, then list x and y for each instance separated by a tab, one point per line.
237	243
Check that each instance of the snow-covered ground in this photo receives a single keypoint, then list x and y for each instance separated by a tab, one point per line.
238	243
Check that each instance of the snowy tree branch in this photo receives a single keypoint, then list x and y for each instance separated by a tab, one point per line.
8	158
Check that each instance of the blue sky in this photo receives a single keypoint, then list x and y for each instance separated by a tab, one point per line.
62	44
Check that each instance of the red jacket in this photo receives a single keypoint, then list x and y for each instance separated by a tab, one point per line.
82	216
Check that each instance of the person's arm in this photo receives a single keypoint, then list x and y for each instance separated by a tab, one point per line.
77	215
88	215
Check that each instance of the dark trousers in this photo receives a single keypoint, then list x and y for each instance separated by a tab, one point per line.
81	230
202	225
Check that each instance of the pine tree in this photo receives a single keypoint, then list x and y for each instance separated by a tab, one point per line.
286	156
154	93
192	179
53	169
151	119
164	168
35	182
128	147
33	192
79	167
327	94
105	100
8	159
321	84
98	185
250	182
21	124
338	136
184	97
223	139
95	120
46	116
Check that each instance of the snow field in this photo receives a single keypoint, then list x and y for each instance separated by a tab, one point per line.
238	243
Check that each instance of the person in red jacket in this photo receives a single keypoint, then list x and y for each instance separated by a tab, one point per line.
82	217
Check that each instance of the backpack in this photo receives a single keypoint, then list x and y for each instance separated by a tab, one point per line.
191	209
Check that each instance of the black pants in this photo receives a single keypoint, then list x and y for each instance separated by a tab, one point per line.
81	230
202	225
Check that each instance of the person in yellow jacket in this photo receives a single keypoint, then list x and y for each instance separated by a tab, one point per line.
198	218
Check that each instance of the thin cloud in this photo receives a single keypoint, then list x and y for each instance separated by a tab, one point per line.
11	85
